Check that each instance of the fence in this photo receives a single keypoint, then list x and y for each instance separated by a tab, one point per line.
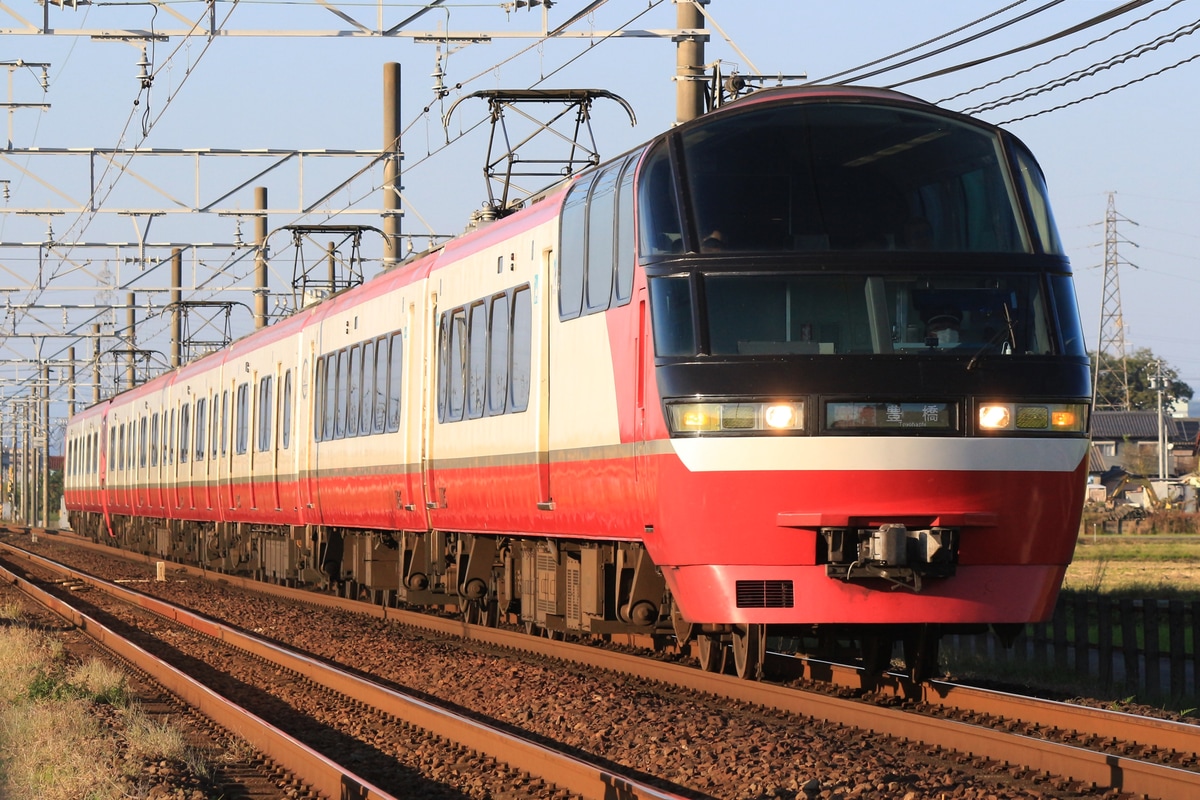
1144	647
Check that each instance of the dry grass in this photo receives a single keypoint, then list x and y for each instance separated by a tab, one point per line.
52	742
1143	566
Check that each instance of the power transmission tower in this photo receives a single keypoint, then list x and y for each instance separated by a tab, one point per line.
1110	349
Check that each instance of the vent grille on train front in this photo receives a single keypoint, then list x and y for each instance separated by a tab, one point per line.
765	594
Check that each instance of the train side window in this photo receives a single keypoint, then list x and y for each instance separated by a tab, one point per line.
354	391
522	351
623	286
266	403
242	419
121	447
214	423
154	439
201	428
170	443
318	395
285	412
142	443
366	418
443	365
342	389
224	422
501	325
600	240
659	228
476	360
330	401
382	356
456	378
573	250
395	381
185	431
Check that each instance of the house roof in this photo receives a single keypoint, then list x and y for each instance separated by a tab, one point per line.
1142	425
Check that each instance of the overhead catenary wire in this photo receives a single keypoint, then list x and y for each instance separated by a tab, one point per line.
915	47
1060	56
1089	71
954	45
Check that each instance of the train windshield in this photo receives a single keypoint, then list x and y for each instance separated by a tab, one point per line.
840	177
789	314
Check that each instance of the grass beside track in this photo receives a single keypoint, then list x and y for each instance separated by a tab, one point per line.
71	731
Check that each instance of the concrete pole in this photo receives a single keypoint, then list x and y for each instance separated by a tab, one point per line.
70	381
45	454
131	341
391	165
332	264
26	450
176	310
689	65
95	364
260	259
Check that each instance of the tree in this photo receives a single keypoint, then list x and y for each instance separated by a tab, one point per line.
1141	366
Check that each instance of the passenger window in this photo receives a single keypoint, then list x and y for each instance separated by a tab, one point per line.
327	430
600	237
522	350
353	394
242	419
368	388
201	429
625	255
573	250
185	429
381	381
477	361
395	382
457	357
154	440
443	388
343	390
265	405
497	394
285	412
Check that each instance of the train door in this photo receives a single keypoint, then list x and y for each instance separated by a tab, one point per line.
435	396
224	459
102	473
310	439
542	311
209	449
271	442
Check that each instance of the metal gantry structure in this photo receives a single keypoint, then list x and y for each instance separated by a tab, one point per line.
1111	353
172	282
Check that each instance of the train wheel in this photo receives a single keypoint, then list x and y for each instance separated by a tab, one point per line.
921	653
711	653
481	612
684	630
749	650
876	654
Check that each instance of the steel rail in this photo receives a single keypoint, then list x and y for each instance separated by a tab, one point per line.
310	766
1067	761
575	775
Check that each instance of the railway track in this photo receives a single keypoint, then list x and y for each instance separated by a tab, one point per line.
354	711
1077	747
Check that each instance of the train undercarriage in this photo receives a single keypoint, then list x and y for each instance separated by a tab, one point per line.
554	588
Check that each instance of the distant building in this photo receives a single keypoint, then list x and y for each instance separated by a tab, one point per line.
1129	440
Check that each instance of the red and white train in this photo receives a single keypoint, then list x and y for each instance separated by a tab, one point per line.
811	362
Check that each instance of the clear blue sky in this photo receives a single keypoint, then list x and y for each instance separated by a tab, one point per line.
1137	141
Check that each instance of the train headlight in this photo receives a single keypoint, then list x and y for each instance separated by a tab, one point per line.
1033	417
742	417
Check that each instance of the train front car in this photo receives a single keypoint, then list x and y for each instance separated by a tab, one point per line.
874	385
